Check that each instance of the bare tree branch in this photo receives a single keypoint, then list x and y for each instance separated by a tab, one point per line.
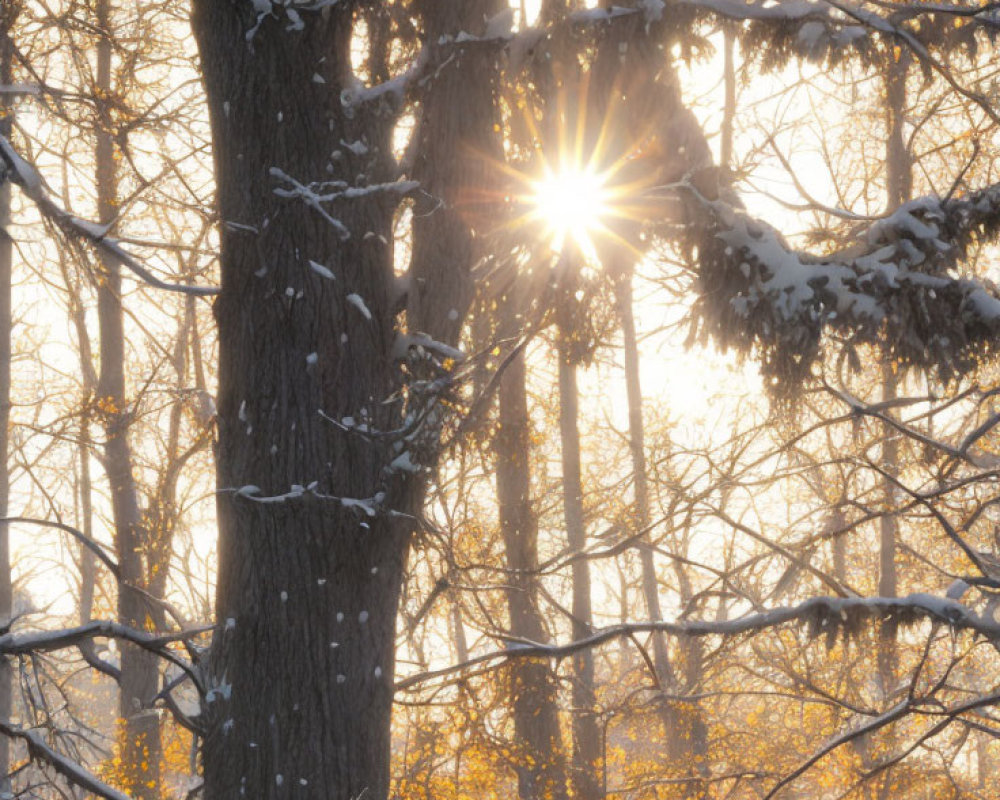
39	750
26	176
824	615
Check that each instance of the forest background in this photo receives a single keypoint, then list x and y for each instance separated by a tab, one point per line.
670	504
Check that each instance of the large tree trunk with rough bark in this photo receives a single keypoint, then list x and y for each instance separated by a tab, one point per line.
311	547
456	156
302	662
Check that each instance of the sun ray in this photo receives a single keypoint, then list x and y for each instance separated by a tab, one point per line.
587	183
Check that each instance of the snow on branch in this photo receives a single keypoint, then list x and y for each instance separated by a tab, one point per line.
825	616
28	642
430	60
314	195
894	288
773	33
40	750
13	644
776	31
20	172
269	8
393	90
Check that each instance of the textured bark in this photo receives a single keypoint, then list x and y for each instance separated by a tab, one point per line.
457	151
7	16
308	588
541	771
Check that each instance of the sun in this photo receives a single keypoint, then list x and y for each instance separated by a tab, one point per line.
572	204
582	189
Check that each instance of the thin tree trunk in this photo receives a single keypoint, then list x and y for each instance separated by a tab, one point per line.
458	632
77	315
88	567
839	544
899	188
140	740
586	734
985	769
672	738
164	515
625	652
7	17
690	741
899	185
453	155
534	692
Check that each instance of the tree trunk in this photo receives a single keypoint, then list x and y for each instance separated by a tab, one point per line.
308	587
7	17
88	377
690	740
164	512
140	733
456	151
985	768
586	735
899	189
541	771
88	564
637	437
302	663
